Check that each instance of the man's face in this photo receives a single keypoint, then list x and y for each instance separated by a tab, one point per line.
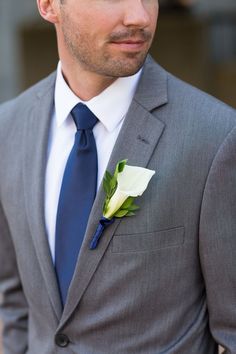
108	37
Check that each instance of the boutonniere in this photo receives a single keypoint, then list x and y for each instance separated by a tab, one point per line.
121	188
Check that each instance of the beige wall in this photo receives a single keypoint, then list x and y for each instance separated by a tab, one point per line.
183	47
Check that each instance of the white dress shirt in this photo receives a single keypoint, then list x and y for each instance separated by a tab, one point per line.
110	107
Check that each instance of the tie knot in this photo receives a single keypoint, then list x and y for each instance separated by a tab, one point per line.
84	119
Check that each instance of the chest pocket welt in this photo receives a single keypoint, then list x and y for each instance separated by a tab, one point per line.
147	242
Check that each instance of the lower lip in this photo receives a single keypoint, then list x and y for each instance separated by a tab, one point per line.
127	46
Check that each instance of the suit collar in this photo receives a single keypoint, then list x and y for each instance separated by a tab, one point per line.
152	89
35	142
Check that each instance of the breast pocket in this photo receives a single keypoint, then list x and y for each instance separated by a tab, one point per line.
148	242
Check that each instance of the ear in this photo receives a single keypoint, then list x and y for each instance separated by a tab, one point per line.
48	9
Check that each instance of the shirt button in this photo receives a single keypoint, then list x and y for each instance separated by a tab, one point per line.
62	340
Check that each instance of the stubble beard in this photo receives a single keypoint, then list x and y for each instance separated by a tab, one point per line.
103	62
129	65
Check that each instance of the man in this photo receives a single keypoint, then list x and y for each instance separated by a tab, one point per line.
162	281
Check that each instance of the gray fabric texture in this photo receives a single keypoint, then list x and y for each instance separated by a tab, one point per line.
160	282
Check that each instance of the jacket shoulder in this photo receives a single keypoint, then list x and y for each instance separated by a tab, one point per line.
185	110
27	98
187	98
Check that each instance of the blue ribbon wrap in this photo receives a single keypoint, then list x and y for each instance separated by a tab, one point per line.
103	224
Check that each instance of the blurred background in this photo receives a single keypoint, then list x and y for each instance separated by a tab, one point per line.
195	40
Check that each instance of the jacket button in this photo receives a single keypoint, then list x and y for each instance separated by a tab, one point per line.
62	340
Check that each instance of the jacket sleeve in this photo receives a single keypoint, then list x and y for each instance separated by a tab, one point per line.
217	244
13	305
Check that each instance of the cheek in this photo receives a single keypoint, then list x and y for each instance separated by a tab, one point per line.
101	18
103	23
154	22
153	10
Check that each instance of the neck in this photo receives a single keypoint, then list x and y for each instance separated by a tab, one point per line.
84	84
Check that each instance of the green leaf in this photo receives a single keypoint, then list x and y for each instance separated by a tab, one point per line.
108	176
105	205
127	203
113	183
121	213
130	213
106	186
106	183
109	184
119	167
133	207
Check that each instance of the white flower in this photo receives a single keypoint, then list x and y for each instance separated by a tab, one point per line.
131	182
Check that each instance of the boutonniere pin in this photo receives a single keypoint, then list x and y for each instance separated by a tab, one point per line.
127	183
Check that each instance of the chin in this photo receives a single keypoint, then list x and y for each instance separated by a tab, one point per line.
126	67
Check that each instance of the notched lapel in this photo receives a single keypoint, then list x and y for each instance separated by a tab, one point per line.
136	142
35	143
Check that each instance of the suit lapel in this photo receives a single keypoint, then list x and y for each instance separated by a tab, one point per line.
136	142
36	143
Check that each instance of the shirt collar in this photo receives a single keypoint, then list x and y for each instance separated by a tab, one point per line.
118	95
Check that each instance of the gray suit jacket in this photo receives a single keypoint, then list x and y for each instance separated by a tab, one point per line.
160	282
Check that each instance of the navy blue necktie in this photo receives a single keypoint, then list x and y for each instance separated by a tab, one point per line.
77	195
